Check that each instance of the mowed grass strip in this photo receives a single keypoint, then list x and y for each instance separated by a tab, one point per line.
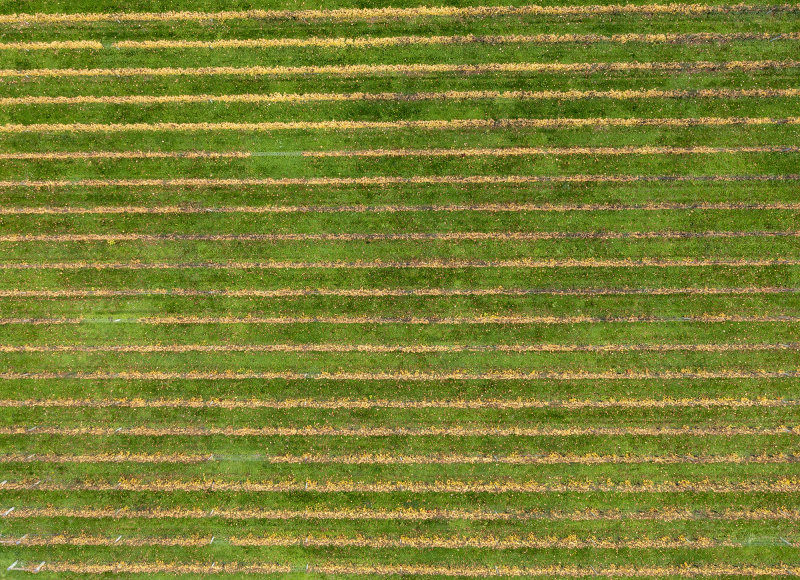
594	453
501	250
408	52
524	206
533	82
597	451
431	179
266	401
323	416
399	313
296	559
434	250
439	152
531	364
224	531
191	216
288	169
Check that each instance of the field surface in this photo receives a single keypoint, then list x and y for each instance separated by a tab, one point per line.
345	289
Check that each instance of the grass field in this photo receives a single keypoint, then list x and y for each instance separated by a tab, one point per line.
362	290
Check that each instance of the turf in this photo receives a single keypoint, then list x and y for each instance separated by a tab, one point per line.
656	433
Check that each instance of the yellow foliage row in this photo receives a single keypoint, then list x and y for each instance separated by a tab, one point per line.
455	124
377	41
707	318
685	571
411	514
407	69
394	292
508	375
432	263
509	542
327	431
435	459
385	292
779	485
355	14
386	348
405	97
569	404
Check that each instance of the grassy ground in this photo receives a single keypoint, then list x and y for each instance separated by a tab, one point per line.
680	461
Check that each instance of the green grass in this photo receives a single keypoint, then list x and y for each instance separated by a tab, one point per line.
115	320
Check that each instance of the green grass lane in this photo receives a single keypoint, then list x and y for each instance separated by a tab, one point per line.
692	194
784	77
174	252
402	390
211	111
472	53
238	456
295	165
387	222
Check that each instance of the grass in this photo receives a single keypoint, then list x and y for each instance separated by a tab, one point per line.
719	433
